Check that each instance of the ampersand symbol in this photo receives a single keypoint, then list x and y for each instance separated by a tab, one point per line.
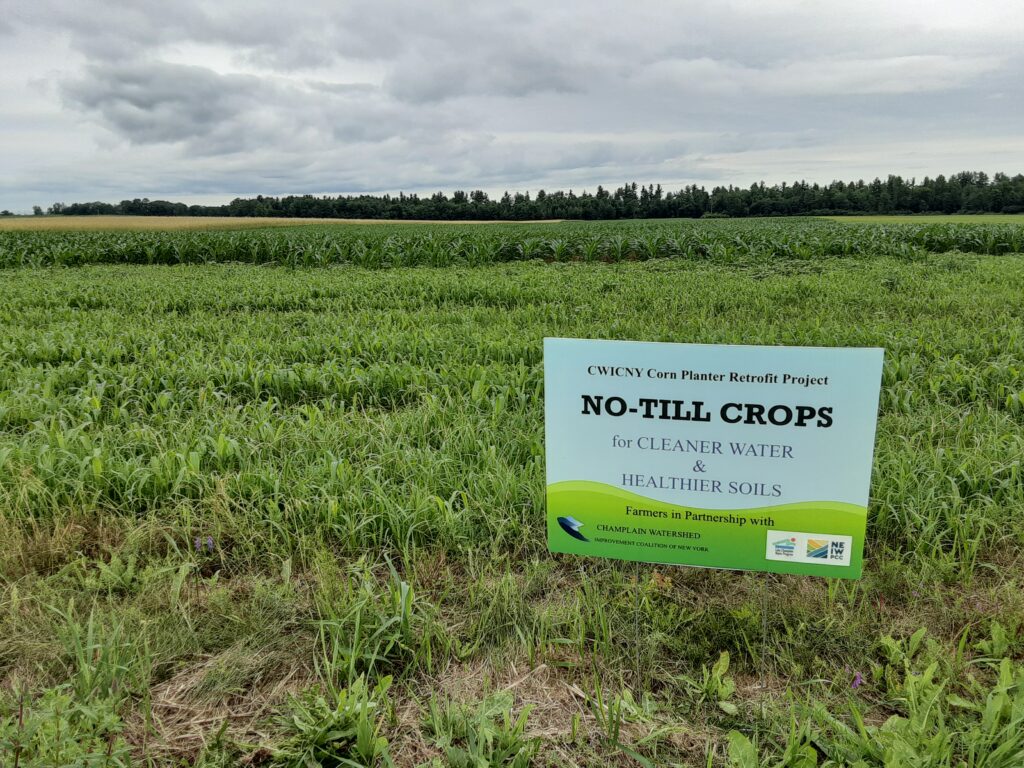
699	467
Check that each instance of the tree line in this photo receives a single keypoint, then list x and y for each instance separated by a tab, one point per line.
965	192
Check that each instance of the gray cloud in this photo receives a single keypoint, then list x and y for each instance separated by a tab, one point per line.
522	71
211	113
199	99
152	102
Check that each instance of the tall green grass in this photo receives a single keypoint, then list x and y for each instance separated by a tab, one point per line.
283	515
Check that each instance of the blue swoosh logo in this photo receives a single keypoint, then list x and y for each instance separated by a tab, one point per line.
572	526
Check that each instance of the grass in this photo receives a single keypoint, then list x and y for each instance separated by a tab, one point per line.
262	515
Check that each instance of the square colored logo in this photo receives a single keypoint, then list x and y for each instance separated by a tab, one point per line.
818	548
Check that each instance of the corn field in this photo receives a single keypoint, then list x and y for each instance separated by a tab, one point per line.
379	246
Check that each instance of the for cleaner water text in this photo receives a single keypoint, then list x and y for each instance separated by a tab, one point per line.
731	413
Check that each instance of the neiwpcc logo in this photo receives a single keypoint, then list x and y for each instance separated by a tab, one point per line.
815	548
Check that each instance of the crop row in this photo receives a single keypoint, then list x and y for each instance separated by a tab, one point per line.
445	245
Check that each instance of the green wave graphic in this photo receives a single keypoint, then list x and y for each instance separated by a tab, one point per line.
620	524
589	486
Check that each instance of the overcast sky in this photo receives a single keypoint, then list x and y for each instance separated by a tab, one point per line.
208	101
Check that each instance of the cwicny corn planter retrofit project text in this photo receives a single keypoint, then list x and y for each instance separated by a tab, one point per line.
720	456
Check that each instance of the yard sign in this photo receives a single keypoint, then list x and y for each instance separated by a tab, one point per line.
755	458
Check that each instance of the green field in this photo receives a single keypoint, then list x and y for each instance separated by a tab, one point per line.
722	241
289	510
924	218
171	223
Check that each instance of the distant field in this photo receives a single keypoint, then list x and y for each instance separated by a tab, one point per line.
190	223
172	223
383	244
983	218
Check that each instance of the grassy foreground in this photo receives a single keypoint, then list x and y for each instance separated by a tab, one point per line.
262	516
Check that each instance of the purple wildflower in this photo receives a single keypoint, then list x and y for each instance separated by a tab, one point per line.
199	544
209	544
858	681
